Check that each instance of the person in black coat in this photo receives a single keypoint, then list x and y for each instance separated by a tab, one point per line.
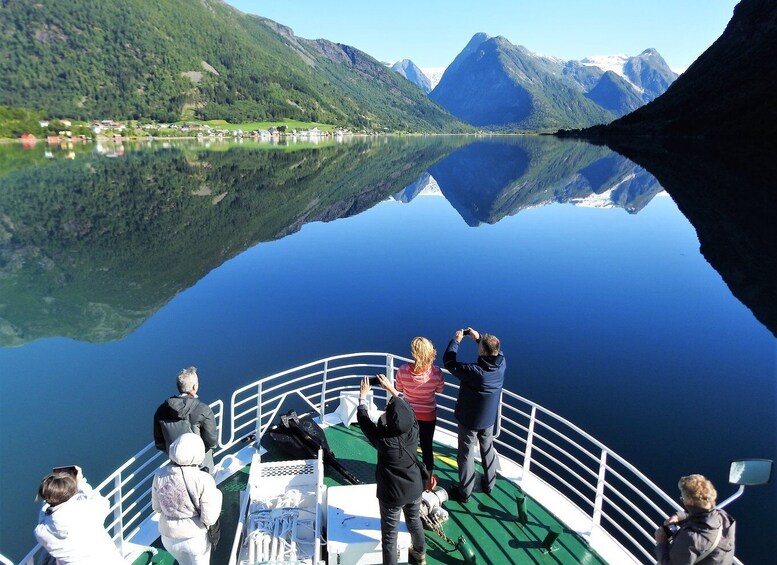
398	474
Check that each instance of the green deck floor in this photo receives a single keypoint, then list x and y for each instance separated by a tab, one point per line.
487	522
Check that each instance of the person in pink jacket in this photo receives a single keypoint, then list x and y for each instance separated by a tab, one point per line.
419	382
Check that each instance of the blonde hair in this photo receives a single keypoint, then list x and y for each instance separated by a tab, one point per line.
423	352
699	490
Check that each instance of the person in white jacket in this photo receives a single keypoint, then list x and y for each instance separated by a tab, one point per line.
71	521
187	500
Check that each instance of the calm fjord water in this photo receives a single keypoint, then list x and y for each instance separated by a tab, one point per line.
245	260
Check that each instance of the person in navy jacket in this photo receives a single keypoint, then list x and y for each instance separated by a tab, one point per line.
480	391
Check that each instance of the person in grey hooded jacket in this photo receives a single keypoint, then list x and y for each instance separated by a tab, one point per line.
186	413
187	500
703	534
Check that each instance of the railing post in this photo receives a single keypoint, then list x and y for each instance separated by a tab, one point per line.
322	405
529	441
118	512
498	429
258	431
597	514
389	373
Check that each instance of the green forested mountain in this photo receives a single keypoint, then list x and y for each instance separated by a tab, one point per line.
172	59
91	247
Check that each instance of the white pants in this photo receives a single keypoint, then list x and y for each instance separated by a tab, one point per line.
191	551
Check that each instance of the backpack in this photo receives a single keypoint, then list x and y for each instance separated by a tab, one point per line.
173	429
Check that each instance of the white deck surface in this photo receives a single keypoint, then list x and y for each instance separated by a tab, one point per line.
353	527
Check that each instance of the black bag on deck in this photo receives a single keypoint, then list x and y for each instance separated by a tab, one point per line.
300	437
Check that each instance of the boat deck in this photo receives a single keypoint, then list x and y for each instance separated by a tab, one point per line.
487	522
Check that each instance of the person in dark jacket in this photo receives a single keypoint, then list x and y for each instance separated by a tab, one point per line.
703	534
476	409
398	474
186	413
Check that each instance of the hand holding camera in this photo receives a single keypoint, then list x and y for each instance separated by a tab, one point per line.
467	331
378	380
668	529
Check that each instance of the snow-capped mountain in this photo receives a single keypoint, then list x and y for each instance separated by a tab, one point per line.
647	72
411	72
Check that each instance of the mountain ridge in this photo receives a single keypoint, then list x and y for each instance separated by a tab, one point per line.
92	59
495	84
726	92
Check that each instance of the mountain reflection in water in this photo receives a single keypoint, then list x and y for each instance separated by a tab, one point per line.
726	190
611	318
90	248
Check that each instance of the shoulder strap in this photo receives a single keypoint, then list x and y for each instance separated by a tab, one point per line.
421	467
186	485
711	548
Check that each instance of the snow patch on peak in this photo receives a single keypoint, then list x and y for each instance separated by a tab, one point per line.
593	200
550	58
434	74
426	185
612	63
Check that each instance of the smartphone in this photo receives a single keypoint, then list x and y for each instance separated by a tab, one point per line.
70	469
374	381
467	331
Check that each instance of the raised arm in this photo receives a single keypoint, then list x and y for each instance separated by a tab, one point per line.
369	429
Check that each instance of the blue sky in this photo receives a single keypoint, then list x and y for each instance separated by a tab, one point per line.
433	32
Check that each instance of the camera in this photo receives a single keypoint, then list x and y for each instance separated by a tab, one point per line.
374	381
670	530
466	332
69	469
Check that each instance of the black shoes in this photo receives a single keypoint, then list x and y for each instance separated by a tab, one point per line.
455	493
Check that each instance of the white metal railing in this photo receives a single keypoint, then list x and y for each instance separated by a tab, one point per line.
614	495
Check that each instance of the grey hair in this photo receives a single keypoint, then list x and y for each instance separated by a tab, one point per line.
187	378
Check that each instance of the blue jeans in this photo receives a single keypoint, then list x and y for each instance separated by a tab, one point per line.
389	529
466	458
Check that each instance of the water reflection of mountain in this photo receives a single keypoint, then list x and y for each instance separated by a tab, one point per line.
727	192
493	178
90	248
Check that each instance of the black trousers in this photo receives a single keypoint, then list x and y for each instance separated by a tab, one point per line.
425	436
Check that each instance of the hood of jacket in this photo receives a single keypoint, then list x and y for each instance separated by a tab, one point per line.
491	362
704	519
187	449
181	406
398	418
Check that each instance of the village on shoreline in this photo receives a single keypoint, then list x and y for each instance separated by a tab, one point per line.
62	130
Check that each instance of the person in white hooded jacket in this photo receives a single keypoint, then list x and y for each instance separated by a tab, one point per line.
71	521
187	500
